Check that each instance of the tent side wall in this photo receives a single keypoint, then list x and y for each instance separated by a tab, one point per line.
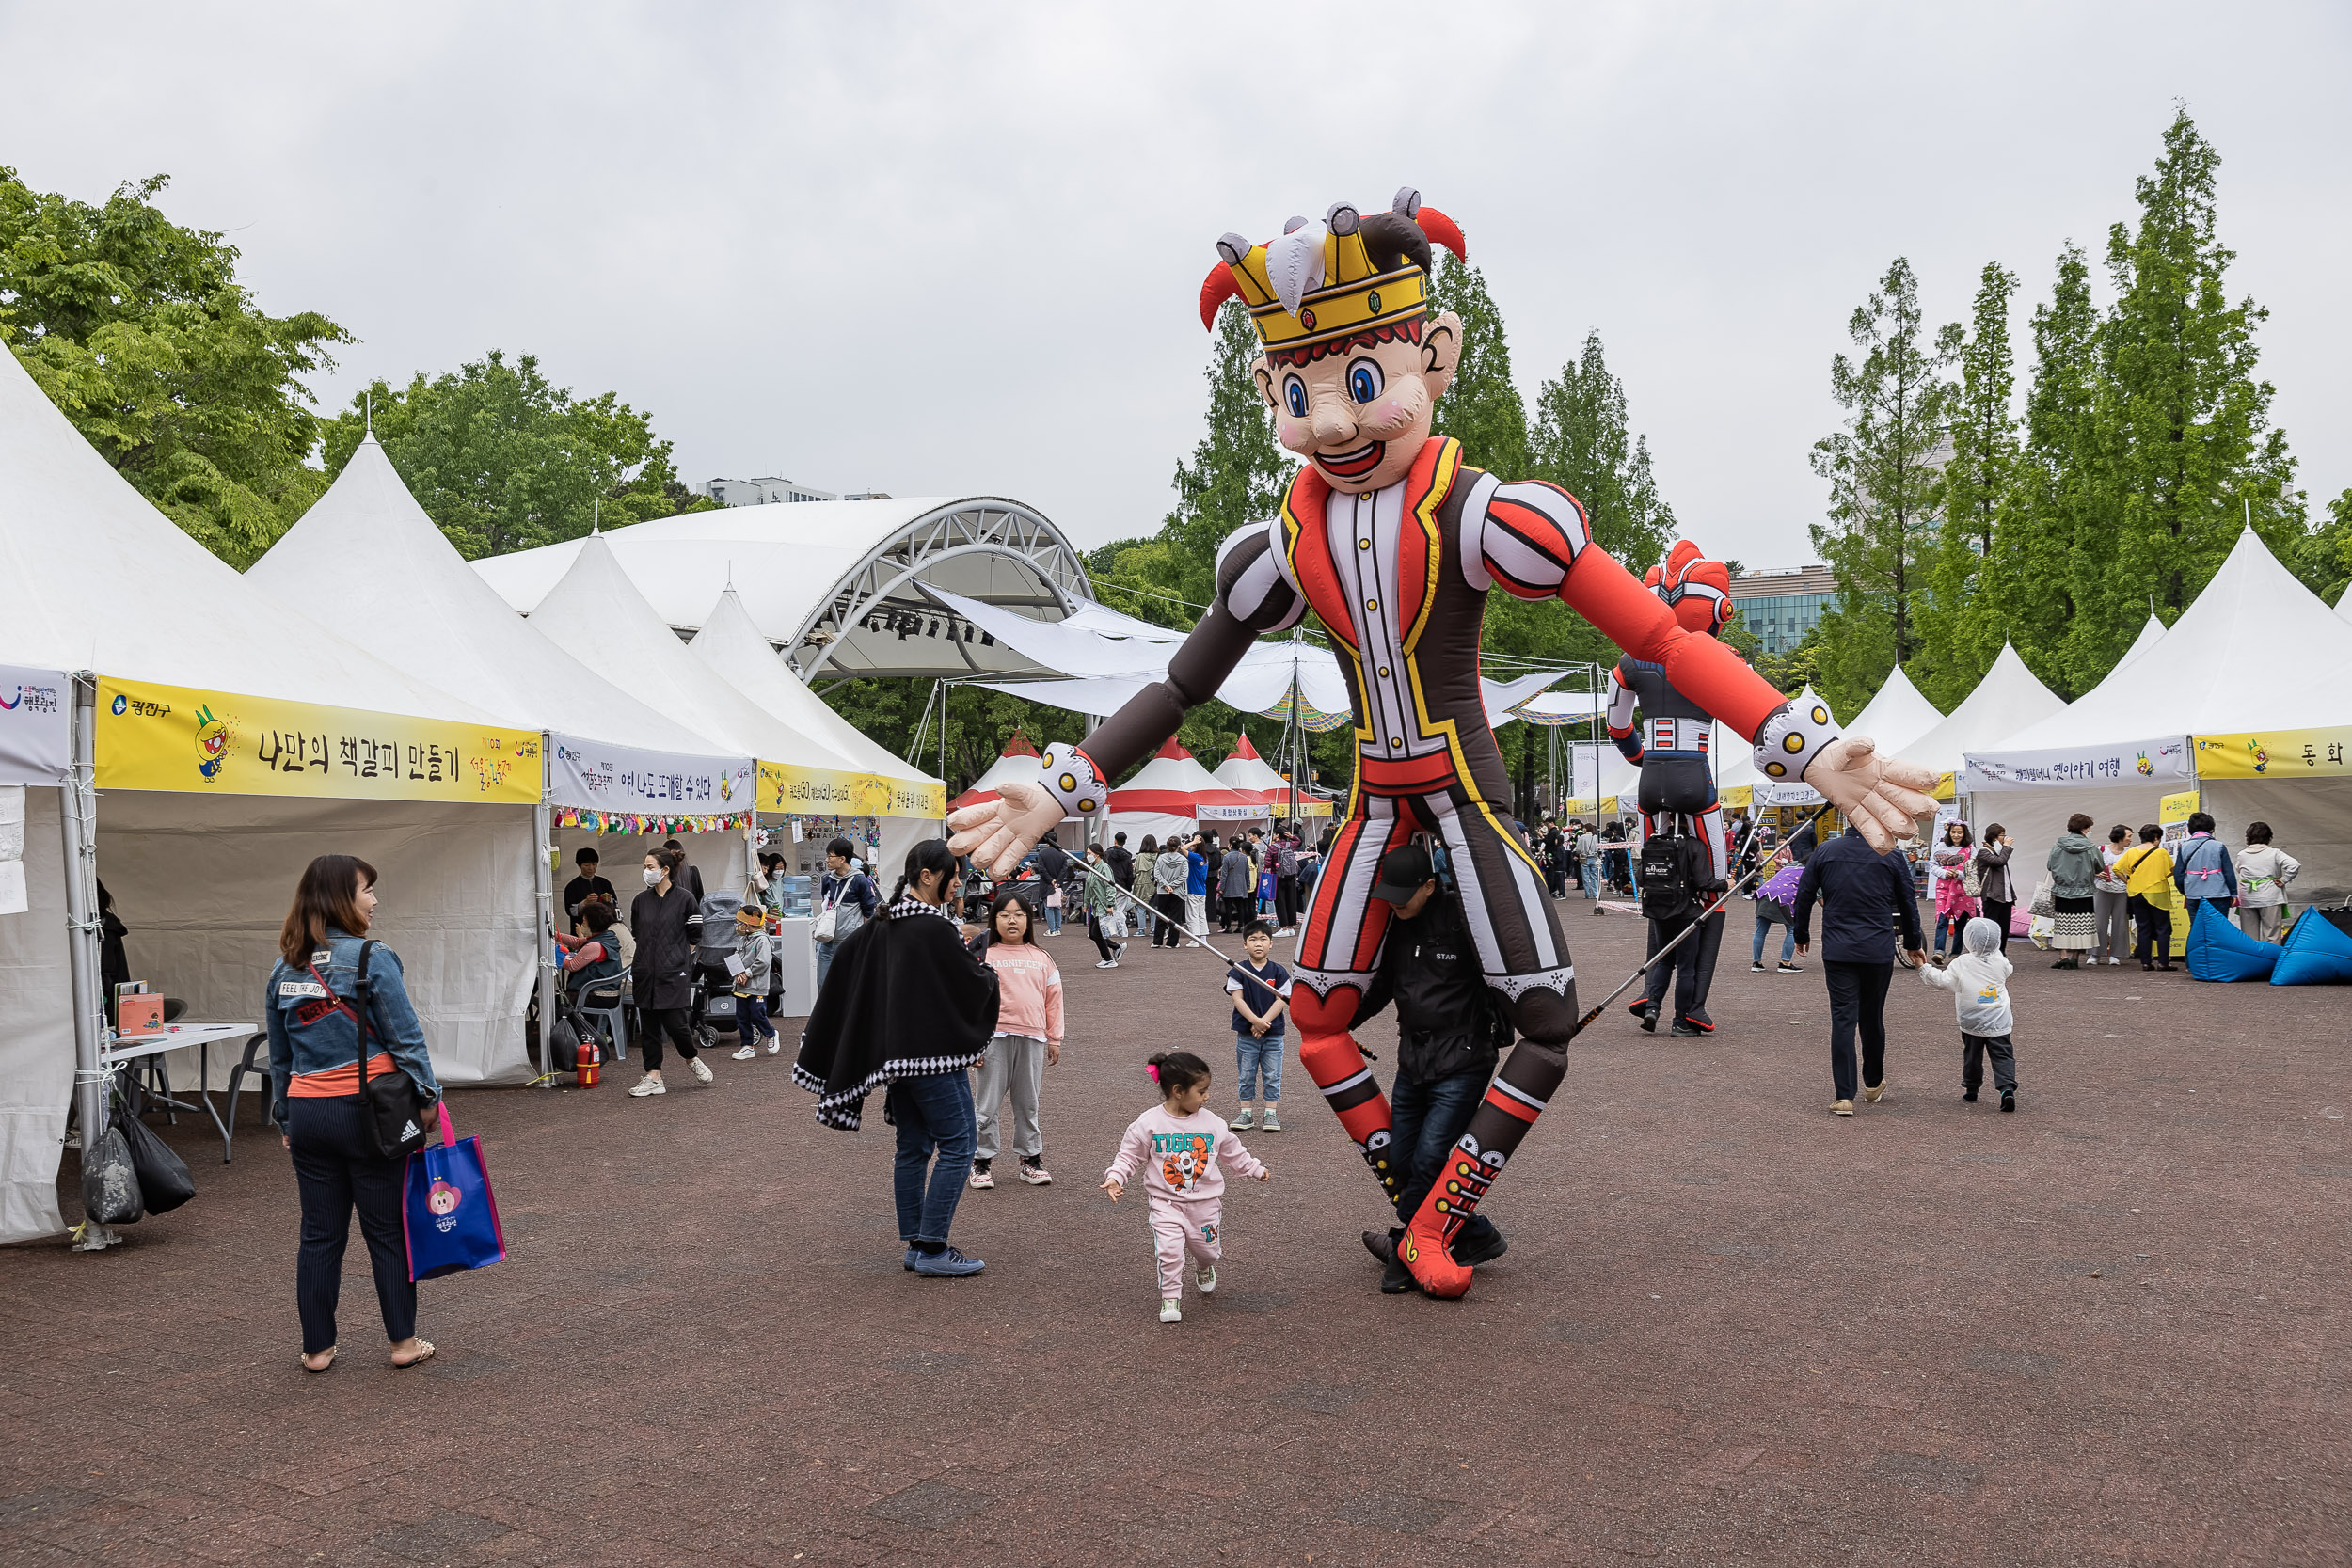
2036	817
203	883
35	1031
2310	818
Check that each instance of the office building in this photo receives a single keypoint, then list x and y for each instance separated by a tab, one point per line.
1780	607
761	492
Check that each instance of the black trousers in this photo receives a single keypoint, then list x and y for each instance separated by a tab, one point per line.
1692	966
1286	900
1165	930
2154	929
1857	1004
1973	1048
1235	912
2000	914
338	1169
1102	945
673	1022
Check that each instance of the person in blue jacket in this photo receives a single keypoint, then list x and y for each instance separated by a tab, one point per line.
2203	872
310	1008
1864	896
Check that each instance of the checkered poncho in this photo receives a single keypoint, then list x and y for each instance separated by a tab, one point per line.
904	999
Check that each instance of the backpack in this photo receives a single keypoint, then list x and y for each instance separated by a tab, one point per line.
1671	874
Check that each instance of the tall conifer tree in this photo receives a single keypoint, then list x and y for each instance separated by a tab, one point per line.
1954	652
1482	409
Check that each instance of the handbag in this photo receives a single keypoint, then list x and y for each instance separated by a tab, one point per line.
163	1176
2044	905
395	1115
1971	880
828	919
447	1211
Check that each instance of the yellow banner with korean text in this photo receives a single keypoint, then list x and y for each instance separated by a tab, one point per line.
2276	754
792	791
169	737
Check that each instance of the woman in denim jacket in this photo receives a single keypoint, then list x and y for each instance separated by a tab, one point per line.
315	1099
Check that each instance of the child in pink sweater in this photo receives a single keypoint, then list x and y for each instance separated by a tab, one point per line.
1180	1147
1026	1042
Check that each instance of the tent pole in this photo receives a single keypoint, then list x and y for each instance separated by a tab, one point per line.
79	797
944	691
543	878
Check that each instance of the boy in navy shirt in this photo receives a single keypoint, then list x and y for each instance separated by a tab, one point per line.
1261	990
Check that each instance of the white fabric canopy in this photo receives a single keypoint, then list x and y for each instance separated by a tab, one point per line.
2150	635
1245	770
2009	698
1896	715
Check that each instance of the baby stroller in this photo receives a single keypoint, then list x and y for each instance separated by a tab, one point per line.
712	1015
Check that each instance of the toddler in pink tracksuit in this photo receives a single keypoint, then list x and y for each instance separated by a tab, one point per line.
1180	1148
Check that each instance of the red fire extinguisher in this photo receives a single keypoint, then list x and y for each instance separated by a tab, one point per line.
590	1059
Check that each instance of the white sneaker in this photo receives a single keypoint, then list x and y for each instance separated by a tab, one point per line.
1171	1310
648	1085
1106	963
1286	931
702	1070
747	1053
1206	1279
2115	960
775	1043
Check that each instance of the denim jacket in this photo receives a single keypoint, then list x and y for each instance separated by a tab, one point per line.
332	1038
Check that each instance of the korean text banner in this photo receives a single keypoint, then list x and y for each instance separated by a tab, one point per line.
812	791
2175	810
36	735
2280	754
592	775
169	737
2161	759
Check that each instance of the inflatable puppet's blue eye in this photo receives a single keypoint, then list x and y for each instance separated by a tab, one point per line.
1294	396
1363	380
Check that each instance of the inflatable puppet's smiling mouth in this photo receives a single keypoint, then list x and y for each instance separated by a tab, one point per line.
1352	465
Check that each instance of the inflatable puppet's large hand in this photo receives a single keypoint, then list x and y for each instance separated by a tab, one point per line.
998	833
1881	797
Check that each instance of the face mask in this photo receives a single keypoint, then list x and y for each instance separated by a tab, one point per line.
653	878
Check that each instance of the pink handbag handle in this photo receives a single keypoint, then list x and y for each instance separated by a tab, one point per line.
449	1128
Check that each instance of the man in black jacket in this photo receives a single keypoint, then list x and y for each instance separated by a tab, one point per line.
1448	1038
1864	896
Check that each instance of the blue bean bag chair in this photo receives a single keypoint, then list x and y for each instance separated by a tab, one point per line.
2217	950
2317	953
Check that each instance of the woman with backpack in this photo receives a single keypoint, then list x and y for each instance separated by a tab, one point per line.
329	974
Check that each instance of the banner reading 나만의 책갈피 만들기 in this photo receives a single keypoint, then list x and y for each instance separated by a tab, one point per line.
169	738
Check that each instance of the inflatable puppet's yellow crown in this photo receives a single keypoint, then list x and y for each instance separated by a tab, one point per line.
1322	284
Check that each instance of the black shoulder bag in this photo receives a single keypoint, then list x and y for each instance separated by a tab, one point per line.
395	1119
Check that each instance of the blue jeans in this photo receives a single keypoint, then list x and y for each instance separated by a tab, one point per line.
1053	920
824	960
1425	1121
1260	1054
1589	872
933	1113
1787	940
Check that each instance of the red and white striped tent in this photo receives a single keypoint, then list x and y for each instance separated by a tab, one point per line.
1172	791
1246	772
1019	760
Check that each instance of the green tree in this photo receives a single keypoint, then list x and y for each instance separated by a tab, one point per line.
2187	423
1482	409
137	329
1581	443
501	459
1884	489
1977	480
2326	555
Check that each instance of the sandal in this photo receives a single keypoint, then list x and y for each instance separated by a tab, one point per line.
326	1365
424	1353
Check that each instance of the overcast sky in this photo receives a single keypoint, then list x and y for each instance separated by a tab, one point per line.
951	249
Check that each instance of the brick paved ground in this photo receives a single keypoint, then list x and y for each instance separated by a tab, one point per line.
1730	1329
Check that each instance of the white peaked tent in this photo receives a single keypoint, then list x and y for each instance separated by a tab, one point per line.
2257	651
1018	761
731	648
1898	716
2150	635
2008	699
1246	772
93	578
2344	602
597	616
1172	791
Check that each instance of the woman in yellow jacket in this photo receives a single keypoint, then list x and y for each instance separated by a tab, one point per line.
2147	874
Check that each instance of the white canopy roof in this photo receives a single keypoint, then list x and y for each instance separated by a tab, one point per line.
2256	651
93	578
2344	602
598	617
2008	699
368	546
738	654
1023	766
1898	716
1246	771
2150	635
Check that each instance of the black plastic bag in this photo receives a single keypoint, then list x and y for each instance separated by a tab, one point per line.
163	1176
110	1185
563	1047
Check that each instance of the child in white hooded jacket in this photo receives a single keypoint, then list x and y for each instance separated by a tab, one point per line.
1979	981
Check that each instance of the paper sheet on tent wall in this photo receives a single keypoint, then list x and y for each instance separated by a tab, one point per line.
593	775
189	741
13	892
36	719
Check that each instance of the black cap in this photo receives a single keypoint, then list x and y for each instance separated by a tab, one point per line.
1404	871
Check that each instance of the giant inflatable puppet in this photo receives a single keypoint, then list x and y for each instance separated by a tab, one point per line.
1679	810
1394	542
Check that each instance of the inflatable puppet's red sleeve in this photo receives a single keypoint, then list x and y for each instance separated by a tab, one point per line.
1598	588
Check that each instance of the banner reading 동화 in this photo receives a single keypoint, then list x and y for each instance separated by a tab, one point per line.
169	737
2276	754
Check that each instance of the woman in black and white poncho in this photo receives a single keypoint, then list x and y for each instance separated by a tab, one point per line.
906	1009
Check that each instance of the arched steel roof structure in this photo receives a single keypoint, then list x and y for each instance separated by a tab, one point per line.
838	586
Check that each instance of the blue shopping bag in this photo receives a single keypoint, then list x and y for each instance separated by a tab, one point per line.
447	1209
